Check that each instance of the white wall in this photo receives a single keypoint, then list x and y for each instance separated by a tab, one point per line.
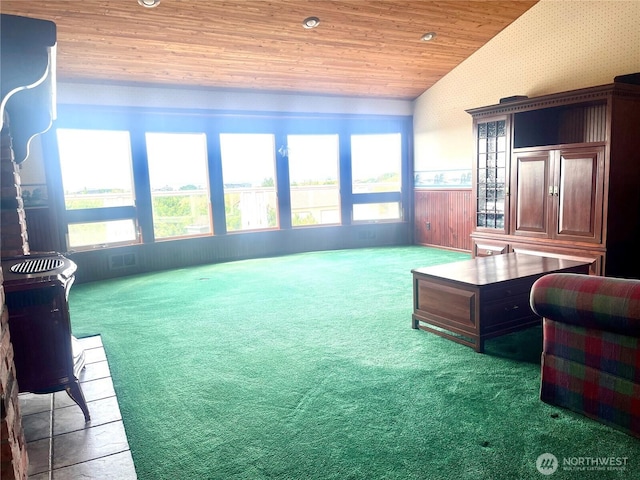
557	45
139	96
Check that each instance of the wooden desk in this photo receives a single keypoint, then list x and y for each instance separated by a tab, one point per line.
472	300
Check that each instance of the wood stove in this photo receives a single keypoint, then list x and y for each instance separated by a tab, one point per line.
47	357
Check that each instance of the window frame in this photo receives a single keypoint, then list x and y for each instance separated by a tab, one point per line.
208	192
337	172
275	180
138	121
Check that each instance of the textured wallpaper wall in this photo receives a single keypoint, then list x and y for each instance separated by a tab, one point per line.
557	45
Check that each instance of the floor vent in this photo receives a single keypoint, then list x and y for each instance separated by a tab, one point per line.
366	235
123	260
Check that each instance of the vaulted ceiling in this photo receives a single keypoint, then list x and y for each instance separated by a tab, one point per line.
360	47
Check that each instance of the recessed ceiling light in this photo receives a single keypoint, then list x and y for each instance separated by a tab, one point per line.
311	22
149	3
427	37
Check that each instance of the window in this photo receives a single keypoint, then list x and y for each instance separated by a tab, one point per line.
179	181
376	169
98	188
313	179
376	211
141	175
248	172
96	168
101	233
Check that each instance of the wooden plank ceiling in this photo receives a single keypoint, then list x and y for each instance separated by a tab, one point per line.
361	48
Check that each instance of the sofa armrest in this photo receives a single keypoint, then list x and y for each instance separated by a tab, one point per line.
605	303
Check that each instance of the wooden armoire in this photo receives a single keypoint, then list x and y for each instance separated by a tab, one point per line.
559	176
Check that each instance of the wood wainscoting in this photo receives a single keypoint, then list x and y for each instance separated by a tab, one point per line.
103	263
443	218
41	228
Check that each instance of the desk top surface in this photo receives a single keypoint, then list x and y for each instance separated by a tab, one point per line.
499	268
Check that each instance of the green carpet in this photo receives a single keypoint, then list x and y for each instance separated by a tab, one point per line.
306	367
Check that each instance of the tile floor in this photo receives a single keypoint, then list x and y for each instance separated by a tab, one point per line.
59	443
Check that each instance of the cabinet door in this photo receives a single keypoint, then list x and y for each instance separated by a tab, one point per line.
491	173
579	182
531	194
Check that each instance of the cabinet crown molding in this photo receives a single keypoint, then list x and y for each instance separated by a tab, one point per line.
583	95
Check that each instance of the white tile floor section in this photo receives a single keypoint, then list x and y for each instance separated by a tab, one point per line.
59	443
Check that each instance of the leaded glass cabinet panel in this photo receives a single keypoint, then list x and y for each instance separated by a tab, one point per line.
491	173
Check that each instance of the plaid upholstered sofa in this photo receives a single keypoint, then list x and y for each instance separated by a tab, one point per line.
591	349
